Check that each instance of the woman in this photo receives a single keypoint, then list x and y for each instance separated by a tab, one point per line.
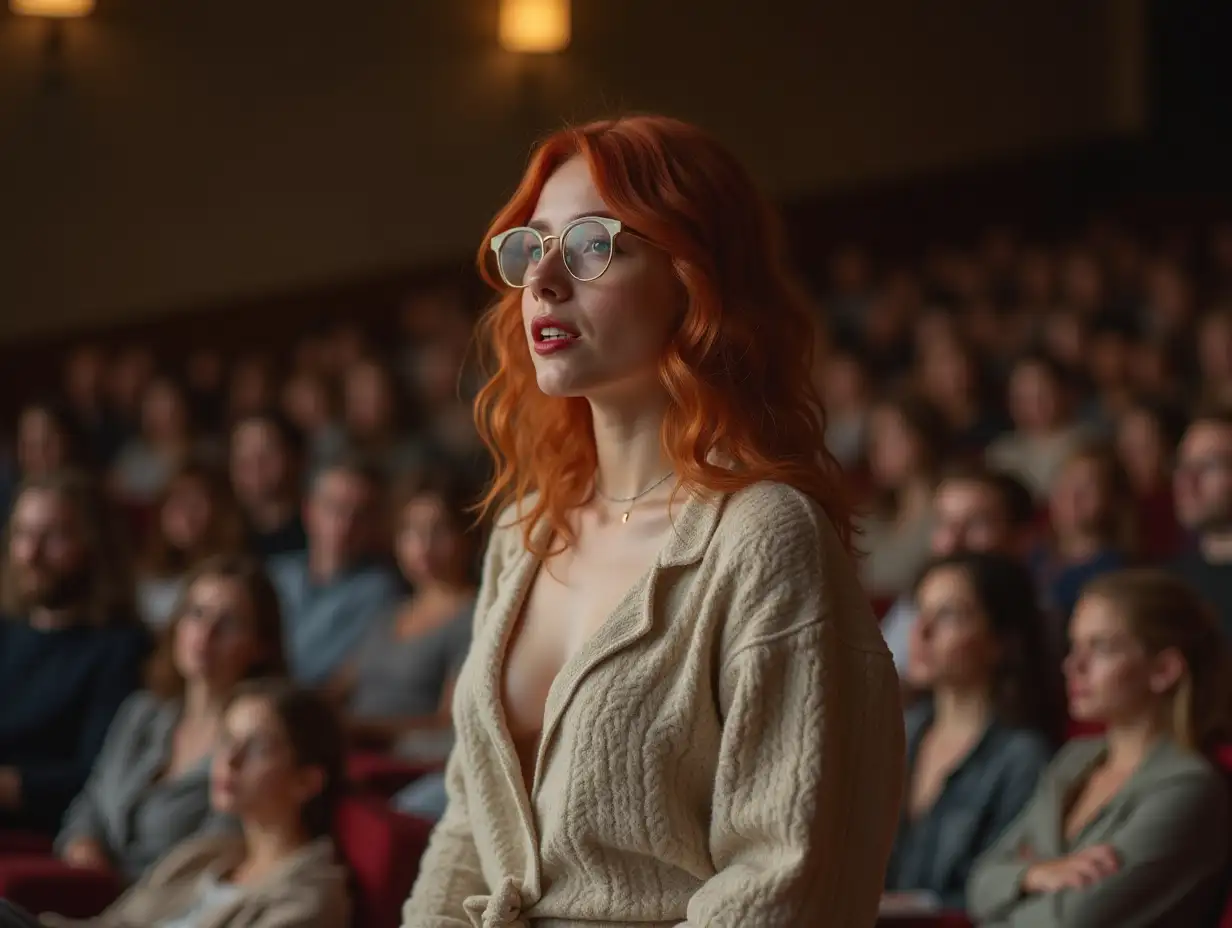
1045	429
907	437
197	519
167	441
150	786
1129	830
979	741
278	770
401	678
649	722
46	441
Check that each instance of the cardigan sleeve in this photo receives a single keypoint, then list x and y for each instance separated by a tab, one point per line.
1175	839
810	769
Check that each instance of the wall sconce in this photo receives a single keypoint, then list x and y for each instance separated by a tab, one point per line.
534	26
55	13
52	9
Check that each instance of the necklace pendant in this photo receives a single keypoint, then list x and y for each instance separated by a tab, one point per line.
625	517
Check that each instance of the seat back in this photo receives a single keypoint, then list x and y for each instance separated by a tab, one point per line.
382	848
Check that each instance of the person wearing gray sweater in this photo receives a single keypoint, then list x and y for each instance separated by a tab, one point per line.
149	788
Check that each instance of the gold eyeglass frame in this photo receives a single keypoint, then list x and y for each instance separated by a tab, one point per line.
614	227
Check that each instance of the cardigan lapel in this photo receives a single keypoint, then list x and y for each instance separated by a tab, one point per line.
629	622
633	618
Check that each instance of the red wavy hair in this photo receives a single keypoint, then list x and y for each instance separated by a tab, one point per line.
738	370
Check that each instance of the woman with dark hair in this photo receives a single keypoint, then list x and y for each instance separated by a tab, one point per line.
196	519
906	443
1130	829
677	704
979	740
400	681
279	770
149	788
166	442
1093	530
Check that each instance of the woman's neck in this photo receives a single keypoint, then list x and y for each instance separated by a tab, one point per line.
629	449
203	704
1130	742
959	708
269	845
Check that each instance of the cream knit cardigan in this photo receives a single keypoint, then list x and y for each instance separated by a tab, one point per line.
726	750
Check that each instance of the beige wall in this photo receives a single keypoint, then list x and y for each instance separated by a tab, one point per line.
201	149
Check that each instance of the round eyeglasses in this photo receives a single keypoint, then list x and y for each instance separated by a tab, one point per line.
585	245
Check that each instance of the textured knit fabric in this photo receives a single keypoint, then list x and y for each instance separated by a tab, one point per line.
726	750
1168	825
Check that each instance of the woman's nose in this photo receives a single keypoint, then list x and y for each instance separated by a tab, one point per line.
551	282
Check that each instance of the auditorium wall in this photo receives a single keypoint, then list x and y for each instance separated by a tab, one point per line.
188	152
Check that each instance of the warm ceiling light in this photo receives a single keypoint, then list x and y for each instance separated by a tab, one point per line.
54	9
534	25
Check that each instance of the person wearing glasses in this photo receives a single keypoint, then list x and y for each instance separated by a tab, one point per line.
677	707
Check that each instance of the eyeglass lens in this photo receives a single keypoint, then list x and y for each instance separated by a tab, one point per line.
587	252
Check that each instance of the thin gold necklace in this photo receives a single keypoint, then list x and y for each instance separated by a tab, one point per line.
631	499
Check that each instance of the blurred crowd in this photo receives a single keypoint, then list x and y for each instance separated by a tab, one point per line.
1022	420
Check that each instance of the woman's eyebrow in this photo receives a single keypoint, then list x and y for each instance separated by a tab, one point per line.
544	226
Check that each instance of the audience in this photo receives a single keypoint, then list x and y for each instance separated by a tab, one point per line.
1130	829
149	789
278	770
980	739
71	646
196	519
333	592
942	375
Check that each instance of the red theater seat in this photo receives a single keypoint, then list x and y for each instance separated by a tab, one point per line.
46	884
24	842
939	920
382	774
382	849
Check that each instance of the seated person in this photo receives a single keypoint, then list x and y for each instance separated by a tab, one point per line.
983	733
267	456
196	518
278	769
71	646
1093	529
974	509
1128	830
149	789
401	678
332	593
